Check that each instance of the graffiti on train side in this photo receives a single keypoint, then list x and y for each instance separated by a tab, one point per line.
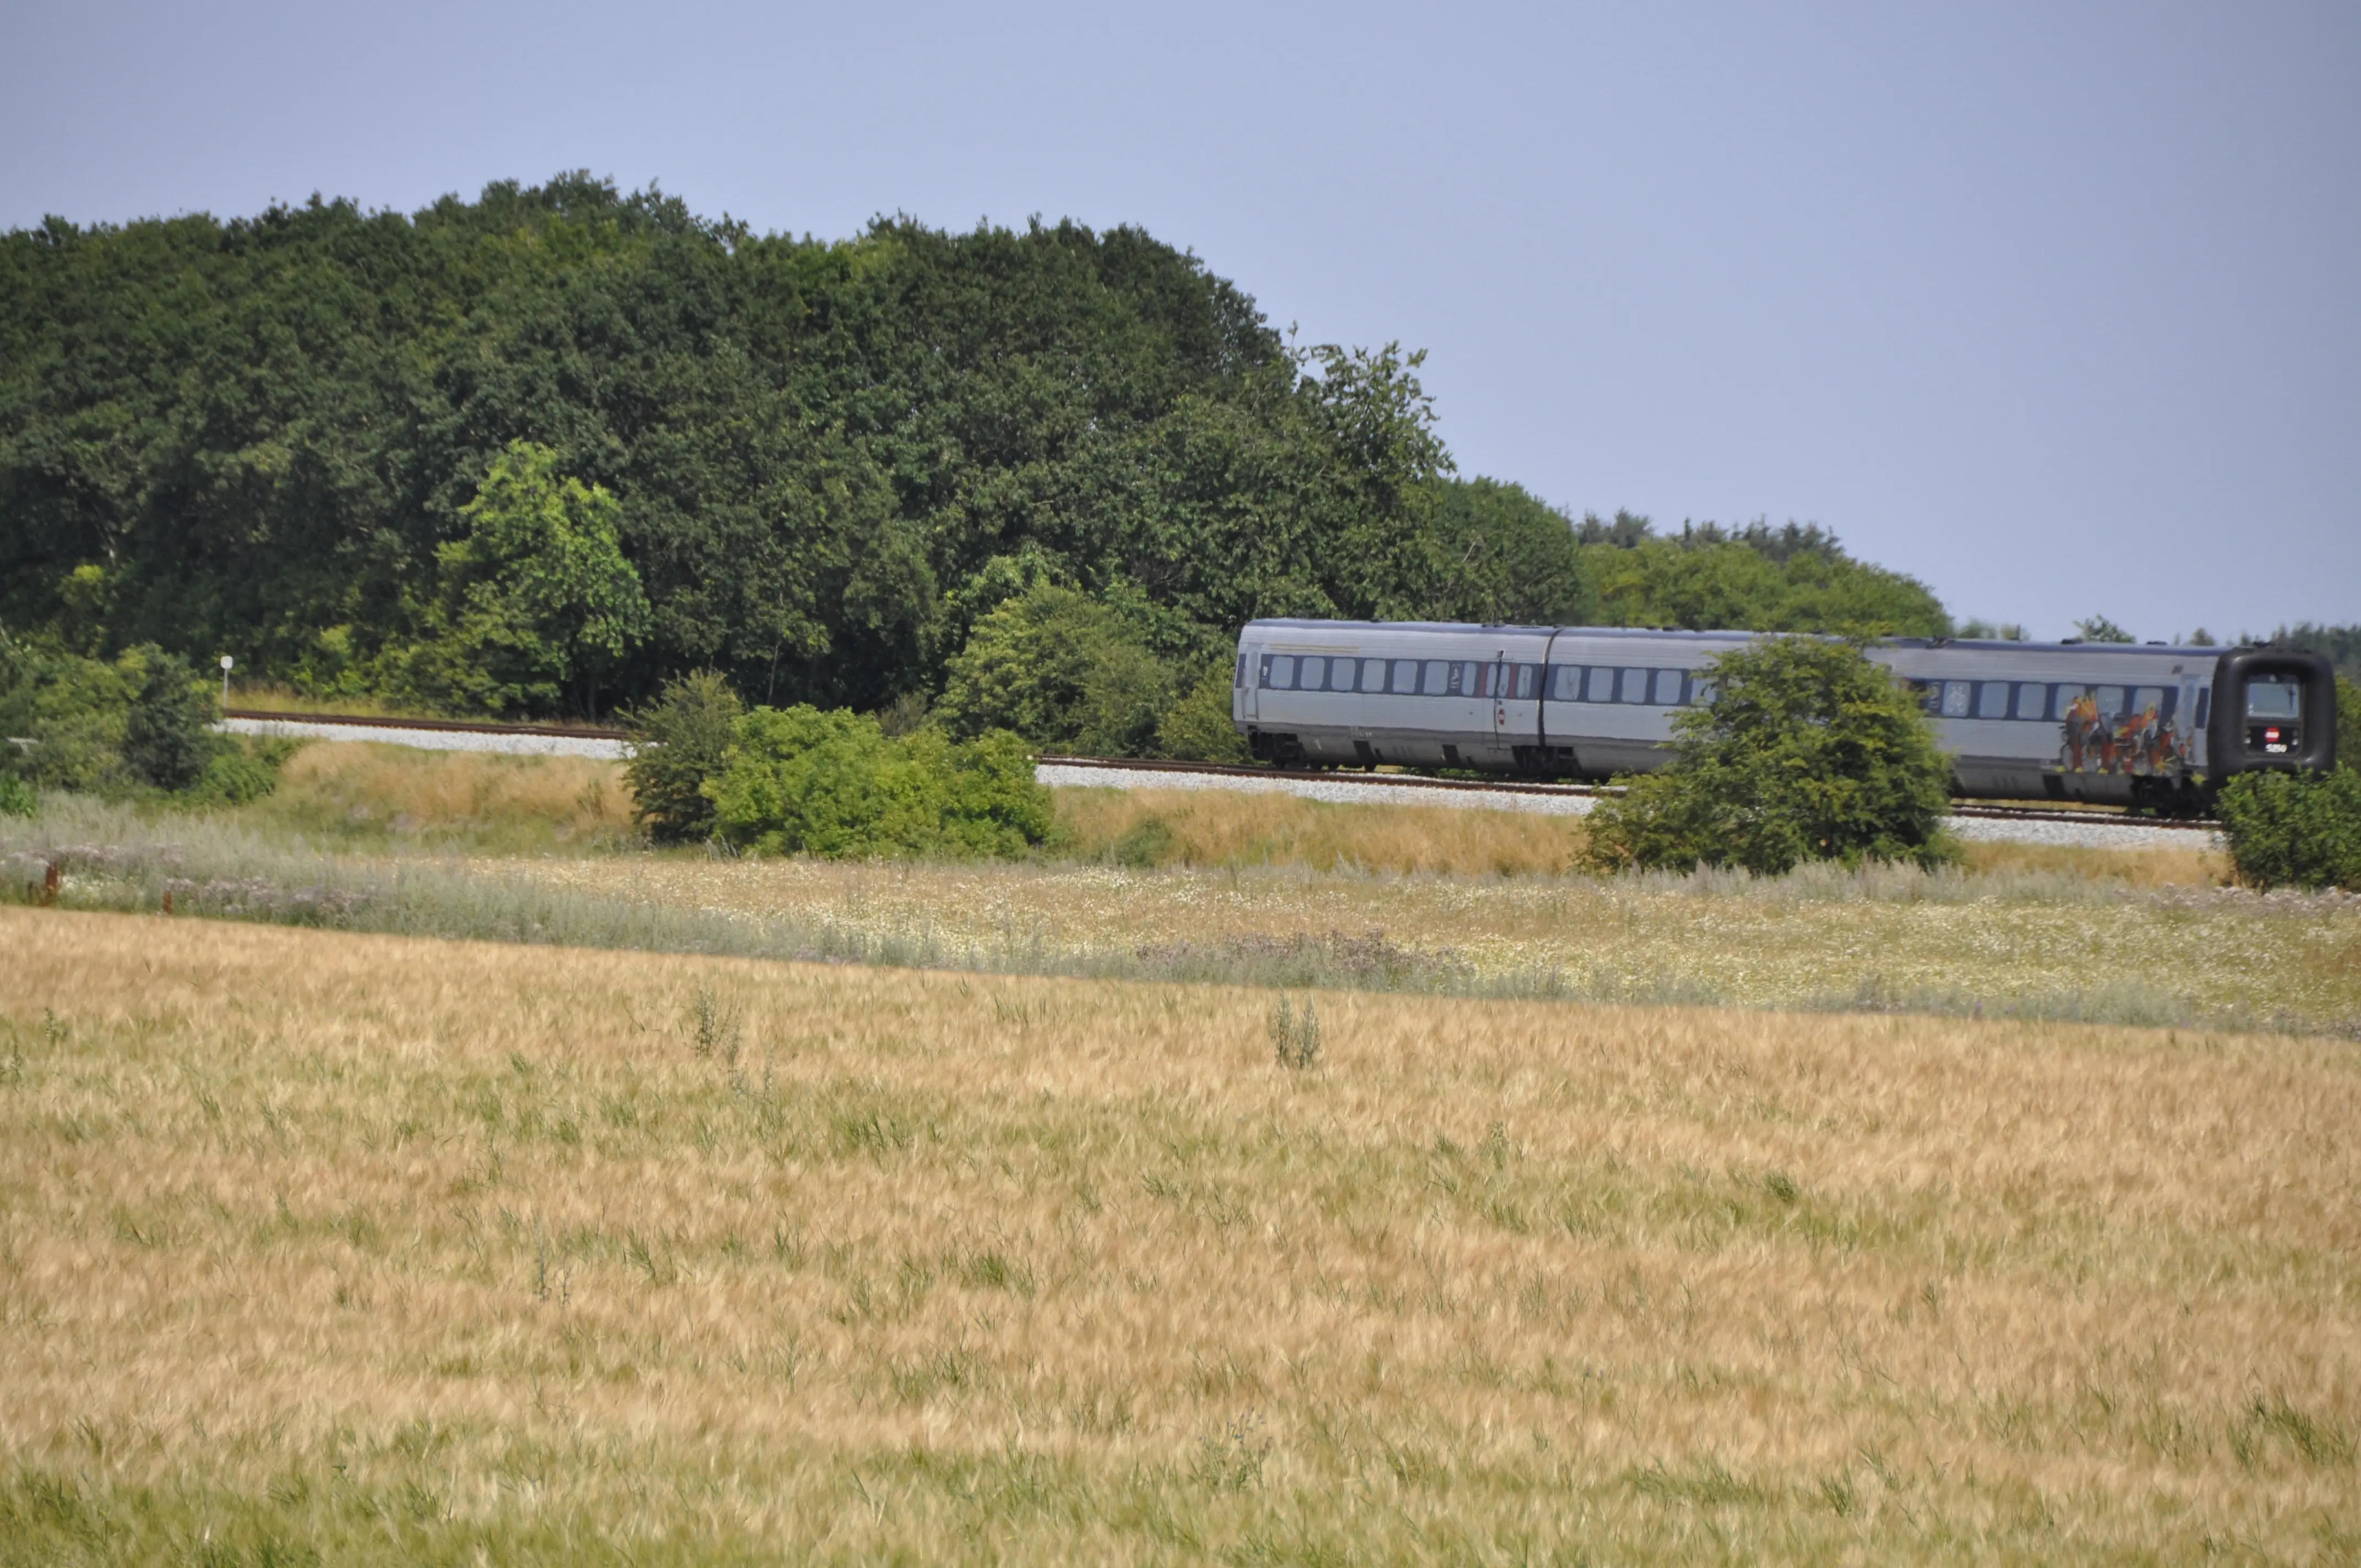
2145	744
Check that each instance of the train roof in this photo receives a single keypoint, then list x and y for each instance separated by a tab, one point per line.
1995	644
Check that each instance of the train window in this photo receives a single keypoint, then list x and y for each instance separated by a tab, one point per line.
1992	700
2204	705
1668	688
1955	699
1525	682
1405	675
2032	700
1700	691
1632	686
1312	673
1280	674
1602	685
2111	701
1565	682
2146	697
1929	694
1240	679
2274	696
1436	673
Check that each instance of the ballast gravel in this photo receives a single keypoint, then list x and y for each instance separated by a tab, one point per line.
1338	790
433	740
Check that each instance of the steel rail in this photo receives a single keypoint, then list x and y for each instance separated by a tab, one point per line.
2095	816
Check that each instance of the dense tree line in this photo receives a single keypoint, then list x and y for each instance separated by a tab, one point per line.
543	450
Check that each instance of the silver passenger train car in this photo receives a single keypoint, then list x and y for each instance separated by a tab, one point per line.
2118	722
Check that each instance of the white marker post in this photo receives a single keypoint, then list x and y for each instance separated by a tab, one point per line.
226	663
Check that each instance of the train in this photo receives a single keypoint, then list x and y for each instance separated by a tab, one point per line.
2144	725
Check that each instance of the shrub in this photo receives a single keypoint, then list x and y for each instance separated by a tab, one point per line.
168	739
17	798
2293	830
1063	670
1199	728
73	710
677	744
235	777
1807	751
2348	724
834	784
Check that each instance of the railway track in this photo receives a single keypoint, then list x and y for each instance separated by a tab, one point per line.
462	726
1408	782
2091	816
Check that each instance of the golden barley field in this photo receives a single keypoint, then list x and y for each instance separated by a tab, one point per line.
325	1247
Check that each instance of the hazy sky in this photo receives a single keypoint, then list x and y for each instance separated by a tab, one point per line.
2057	307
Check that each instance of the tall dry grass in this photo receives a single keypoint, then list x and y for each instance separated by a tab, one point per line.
1223	828
390	1250
369	793
2158	865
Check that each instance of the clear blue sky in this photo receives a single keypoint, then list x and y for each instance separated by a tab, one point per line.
2057	307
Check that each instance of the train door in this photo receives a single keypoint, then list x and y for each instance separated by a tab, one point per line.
1497	686
1249	681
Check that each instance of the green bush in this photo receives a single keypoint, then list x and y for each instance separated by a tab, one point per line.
235	776
1061	670
144	720
2294	829
1199	728
17	798
1807	751
2348	724
678	743
834	784
168	737
73	710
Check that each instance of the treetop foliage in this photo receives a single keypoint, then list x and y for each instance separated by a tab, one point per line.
1795	578
2340	645
544	449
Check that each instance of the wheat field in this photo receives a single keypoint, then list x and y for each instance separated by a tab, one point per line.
353	1248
